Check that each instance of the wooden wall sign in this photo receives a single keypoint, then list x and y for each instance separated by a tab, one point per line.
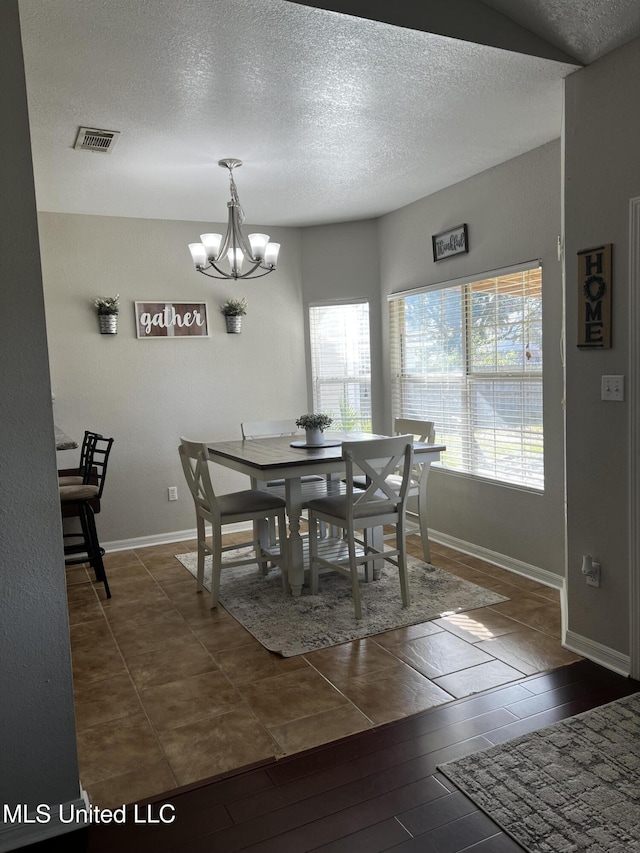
594	298
450	242
171	320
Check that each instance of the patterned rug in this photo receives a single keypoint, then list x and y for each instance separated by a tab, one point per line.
292	626
573	787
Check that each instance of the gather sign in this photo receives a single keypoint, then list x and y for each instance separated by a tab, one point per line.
171	320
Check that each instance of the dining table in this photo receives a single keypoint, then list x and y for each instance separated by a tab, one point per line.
289	459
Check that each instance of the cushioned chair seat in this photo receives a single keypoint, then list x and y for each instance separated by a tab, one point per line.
337	507
251	500
78	493
70	481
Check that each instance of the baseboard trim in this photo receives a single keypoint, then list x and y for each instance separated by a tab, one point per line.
14	836
165	538
518	567
598	653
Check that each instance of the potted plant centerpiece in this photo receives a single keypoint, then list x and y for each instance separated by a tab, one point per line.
234	310
108	308
314	426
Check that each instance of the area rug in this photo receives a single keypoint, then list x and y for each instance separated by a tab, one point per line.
292	626
573	787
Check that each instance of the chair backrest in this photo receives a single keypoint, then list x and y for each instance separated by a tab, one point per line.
377	458
86	447
268	429
194	456
424	431
96	457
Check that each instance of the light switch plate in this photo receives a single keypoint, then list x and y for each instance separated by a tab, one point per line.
612	388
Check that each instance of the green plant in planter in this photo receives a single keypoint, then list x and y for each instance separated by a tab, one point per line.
234	307
107	305
314	421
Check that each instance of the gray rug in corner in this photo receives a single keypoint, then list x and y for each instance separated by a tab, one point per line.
292	626
573	787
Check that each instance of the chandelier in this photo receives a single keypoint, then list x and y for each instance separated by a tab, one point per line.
235	248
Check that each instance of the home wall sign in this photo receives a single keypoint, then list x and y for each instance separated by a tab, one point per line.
451	242
594	298
171	320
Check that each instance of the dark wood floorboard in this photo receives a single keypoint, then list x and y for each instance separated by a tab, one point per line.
372	792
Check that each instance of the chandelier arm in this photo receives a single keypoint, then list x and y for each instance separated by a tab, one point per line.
226	275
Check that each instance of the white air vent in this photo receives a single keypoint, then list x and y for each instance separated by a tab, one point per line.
92	139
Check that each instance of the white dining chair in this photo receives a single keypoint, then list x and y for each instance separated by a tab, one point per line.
382	502
217	510
425	432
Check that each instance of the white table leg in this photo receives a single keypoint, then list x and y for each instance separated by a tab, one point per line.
293	494
422	510
375	538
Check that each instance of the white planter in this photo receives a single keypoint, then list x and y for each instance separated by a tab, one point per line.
234	325
314	436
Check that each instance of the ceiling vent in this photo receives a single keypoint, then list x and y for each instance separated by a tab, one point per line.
93	139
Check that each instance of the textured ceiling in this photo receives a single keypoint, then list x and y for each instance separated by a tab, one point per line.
334	116
587	29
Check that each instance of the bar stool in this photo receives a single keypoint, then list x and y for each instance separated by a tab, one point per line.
82	500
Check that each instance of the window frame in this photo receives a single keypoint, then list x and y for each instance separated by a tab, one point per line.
400	380
365	420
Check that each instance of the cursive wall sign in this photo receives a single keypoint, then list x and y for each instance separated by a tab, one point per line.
594	298
451	242
171	320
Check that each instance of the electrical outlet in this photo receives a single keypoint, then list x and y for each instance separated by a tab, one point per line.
594	578
612	388
173	493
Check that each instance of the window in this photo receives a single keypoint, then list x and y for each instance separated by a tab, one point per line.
341	363
469	357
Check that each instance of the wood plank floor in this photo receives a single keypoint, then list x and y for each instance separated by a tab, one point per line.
374	791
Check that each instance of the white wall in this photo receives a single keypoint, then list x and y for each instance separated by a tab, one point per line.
147	393
513	214
602	174
37	736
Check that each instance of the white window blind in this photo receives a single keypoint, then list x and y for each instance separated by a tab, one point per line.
469	357
341	363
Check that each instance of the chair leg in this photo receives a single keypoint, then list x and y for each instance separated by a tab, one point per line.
217	566
94	551
355	586
401	545
201	553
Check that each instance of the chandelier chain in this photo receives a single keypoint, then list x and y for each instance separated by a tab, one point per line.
235	198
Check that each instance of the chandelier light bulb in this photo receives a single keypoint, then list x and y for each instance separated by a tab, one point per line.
256	250
235	262
258	244
199	255
211	242
271	254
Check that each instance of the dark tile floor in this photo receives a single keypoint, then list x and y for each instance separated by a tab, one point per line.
169	692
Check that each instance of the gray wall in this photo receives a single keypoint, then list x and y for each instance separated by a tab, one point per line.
37	739
342	262
147	393
513	213
602	175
